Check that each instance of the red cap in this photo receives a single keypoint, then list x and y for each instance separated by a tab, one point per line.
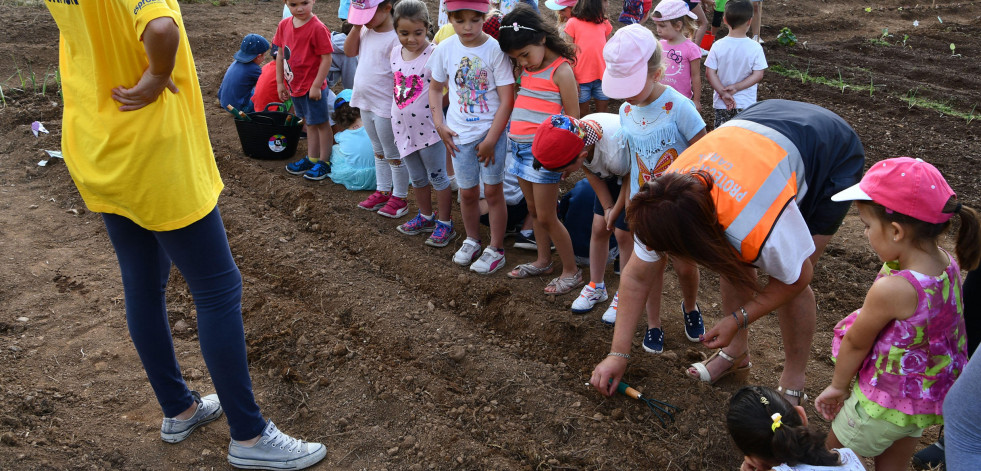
559	140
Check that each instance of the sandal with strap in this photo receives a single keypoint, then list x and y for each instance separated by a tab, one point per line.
527	270
563	285
705	376
791	394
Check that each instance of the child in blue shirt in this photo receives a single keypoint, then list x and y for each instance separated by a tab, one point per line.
239	83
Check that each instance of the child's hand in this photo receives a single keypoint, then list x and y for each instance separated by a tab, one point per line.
282	92
728	100
829	403
447	134
485	152
610	215
314	93
146	91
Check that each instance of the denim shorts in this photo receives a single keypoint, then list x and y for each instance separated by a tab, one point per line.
594	89
313	112
614	188
470	171
521	165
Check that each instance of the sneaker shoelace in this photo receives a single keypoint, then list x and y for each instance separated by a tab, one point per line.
441	231
278	439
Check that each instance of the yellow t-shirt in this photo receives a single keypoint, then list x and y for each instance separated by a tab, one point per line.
444	32
154	165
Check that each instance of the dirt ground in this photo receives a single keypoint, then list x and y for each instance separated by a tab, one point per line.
380	346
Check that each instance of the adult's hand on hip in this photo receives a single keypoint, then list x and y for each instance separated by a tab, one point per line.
145	92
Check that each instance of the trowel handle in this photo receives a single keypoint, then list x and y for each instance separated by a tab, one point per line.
625	389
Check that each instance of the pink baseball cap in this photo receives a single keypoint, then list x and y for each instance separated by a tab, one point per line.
672	9
482	6
626	56
905	185
560	4
362	11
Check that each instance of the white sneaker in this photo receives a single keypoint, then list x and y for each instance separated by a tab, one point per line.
467	253
757	39
489	262
275	450
174	430
588	297
610	316
705	52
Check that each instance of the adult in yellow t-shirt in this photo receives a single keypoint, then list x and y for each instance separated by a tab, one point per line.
136	143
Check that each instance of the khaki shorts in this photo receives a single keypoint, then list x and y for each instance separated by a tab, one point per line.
865	435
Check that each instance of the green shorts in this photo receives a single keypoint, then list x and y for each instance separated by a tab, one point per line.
865	435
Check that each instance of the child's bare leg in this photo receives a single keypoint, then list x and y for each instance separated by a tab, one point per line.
444	202
654	298
898	456
757	22
602	106
497	212
541	235
325	141
599	249
583	109
546	194
424	199
313	141
703	25
687	273
470	210
625	241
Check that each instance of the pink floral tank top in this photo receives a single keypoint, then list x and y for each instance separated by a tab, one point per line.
914	361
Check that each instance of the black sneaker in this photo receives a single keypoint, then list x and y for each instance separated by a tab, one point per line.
694	327
931	457
525	242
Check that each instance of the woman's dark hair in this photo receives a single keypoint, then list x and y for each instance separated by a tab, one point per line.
412	10
968	245
589	10
345	115
675	214
523	15
750	424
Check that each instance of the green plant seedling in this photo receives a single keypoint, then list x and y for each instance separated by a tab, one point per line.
786	37
871	86
905	40
969	118
952	49
841	82
911	98
868	9
3	99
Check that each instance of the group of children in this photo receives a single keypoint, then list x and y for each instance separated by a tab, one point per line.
475	108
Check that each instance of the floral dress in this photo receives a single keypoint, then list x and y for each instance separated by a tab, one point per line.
914	361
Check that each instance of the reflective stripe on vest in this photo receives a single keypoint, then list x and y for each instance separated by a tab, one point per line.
538	98
755	176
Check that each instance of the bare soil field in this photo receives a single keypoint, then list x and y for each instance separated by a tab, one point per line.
381	347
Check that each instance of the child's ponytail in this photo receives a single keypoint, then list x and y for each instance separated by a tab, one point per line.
764	425
968	247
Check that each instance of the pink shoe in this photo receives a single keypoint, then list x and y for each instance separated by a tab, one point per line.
395	208
374	202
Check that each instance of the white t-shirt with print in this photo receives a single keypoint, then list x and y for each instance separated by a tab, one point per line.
472	75
610	156
783	253
734	59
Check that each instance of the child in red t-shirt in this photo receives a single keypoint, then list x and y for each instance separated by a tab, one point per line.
301	71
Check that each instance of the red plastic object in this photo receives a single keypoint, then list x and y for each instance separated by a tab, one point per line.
707	41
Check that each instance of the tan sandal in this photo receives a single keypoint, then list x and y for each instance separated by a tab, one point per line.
527	270
705	376
791	394
563	285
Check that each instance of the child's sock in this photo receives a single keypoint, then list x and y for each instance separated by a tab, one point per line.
428	217
400	179
448	223
600	285
383	175
313	159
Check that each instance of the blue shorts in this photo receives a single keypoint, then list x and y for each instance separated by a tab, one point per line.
470	171
594	89
521	166
313	112
614	187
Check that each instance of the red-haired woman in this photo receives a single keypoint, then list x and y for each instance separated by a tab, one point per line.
755	193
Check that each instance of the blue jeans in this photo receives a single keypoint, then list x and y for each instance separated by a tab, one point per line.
200	251
590	90
521	165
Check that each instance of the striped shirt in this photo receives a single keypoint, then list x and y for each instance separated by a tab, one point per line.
538	99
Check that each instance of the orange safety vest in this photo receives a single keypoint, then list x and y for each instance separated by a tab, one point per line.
538	98
756	172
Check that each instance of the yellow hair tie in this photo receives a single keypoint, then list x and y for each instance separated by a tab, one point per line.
776	421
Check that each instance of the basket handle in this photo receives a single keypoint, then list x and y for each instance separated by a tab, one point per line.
277	104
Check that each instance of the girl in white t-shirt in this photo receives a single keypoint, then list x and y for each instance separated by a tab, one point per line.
773	434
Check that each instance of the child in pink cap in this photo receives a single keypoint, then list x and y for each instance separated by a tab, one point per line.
657	123
675	26
907	343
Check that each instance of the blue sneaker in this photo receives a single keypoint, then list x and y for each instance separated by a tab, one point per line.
300	166
442	236
654	340
418	225
694	327
209	409
318	172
